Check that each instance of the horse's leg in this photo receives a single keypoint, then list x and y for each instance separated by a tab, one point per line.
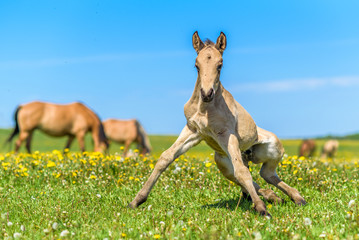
270	152
230	144
69	141
81	139
22	136
127	146
225	166
184	142
28	142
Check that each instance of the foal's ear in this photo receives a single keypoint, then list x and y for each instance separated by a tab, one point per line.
221	42
197	42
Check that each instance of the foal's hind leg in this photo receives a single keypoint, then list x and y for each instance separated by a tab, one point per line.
225	166
270	152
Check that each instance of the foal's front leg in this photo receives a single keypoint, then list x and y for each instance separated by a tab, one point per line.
184	142
241	172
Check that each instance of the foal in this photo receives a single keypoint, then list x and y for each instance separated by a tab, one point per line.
214	116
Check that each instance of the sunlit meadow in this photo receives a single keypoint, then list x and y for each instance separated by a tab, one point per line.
73	195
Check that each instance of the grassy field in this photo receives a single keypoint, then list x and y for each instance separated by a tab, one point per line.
52	195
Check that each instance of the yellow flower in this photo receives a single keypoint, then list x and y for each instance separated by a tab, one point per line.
122	148
51	164
74	174
152	166
93	177
184	229
239	234
300	179
4	164
269	206
208	164
123	234
295	172
137	179
334	170
131	178
58	175
156	236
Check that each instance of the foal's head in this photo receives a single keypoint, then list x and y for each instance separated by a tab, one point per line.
209	63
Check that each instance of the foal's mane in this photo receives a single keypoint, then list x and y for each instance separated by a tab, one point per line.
208	43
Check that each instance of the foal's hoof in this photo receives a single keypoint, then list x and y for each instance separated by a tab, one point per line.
300	202
265	214
131	205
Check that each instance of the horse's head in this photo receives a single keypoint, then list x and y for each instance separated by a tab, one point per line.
209	63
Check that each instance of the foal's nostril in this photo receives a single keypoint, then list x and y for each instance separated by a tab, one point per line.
207	97
210	93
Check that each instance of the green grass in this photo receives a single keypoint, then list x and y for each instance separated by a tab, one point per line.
88	196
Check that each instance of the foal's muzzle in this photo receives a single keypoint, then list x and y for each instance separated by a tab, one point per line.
207	97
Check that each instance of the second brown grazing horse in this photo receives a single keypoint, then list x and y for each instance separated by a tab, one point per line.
307	148
73	120
127	132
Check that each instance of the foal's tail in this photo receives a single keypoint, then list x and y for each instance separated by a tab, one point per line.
16	129
144	140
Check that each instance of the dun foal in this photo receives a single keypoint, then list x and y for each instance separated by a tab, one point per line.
73	120
215	117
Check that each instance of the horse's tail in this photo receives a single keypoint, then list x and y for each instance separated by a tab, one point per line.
16	129
102	135
144	140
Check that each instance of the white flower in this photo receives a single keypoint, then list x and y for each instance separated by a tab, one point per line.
17	235
46	230
22	227
307	221
9	224
323	235
351	203
98	195
162	223
64	233
54	225
170	213
257	235
149	207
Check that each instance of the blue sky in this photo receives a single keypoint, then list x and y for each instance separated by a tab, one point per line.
294	65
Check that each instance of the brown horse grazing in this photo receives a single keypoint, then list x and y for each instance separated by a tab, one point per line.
74	120
127	132
330	148
307	148
215	117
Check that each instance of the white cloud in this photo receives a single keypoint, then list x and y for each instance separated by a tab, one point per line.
292	85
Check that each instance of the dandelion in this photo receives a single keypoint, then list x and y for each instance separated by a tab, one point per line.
123	234
64	233
300	179
51	164
239	234
184	229
152	166
269	206
156	236
131	178
307	221
17	235
55	225
9	224
93	177
208	164
257	235
351	203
